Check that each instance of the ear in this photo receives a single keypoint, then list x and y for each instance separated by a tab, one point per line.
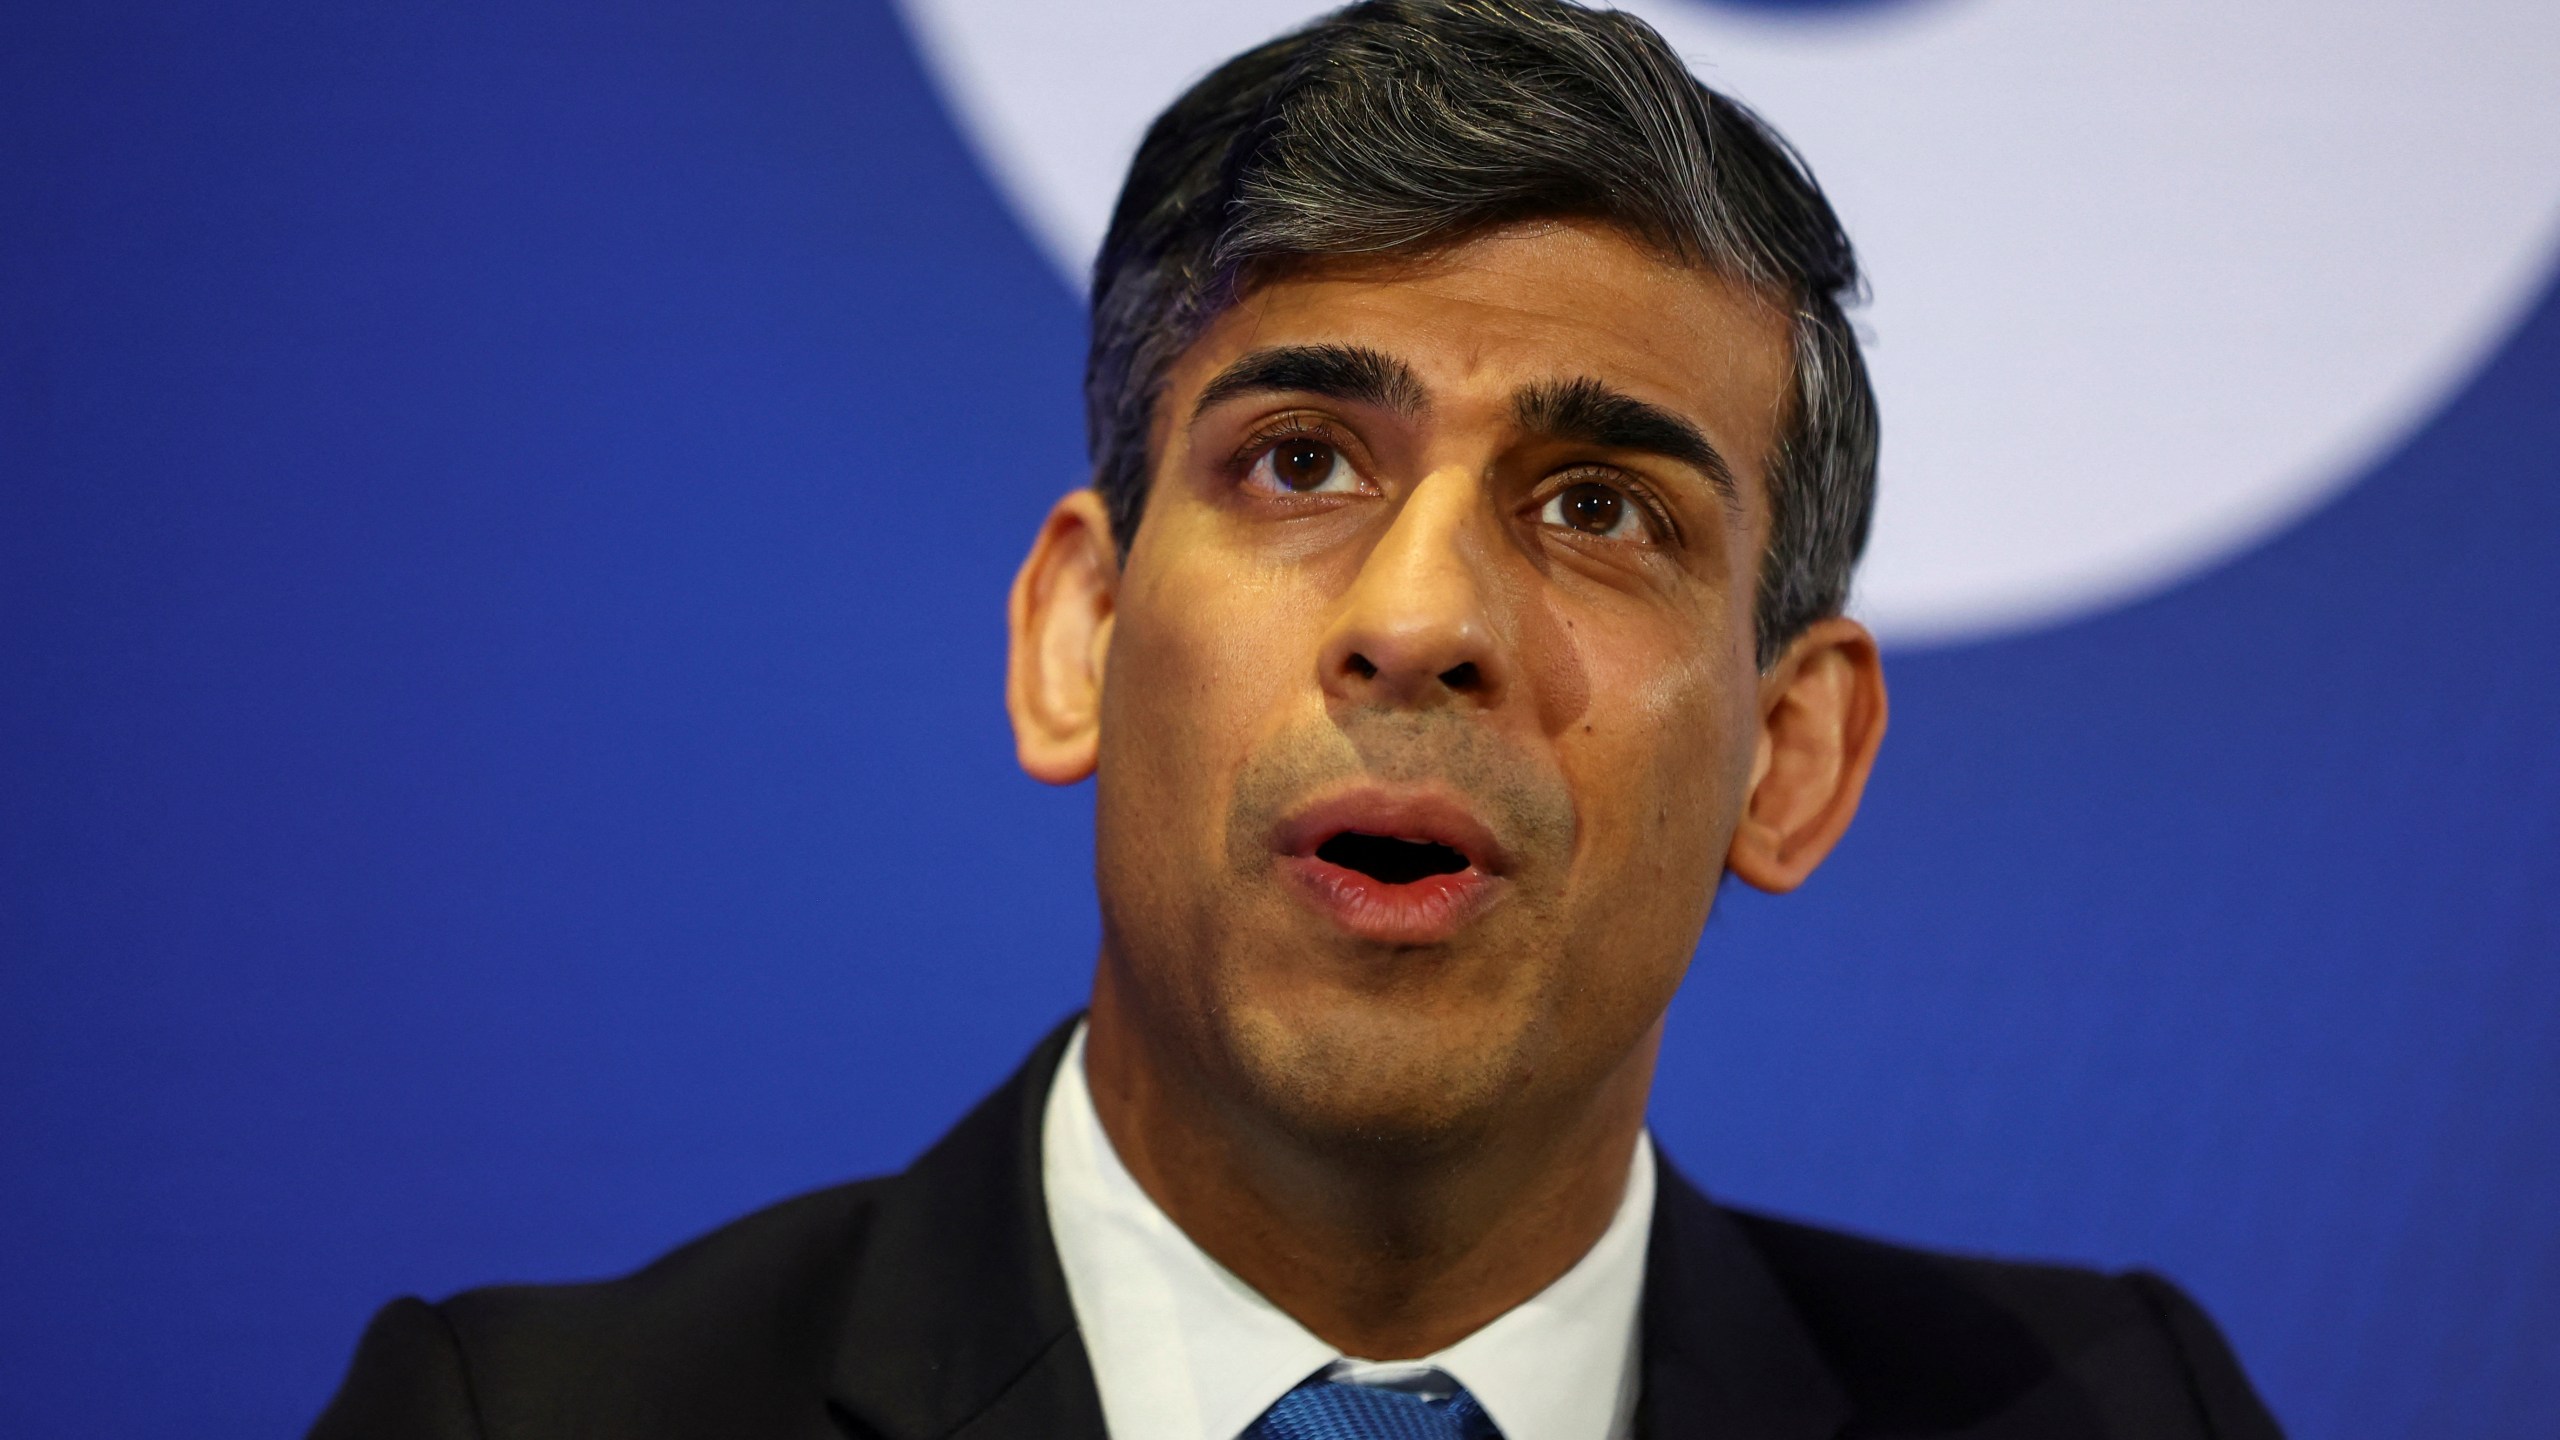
1060	618
1822	715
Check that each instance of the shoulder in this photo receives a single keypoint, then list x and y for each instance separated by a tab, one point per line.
922	1297
708	1339
1929	1342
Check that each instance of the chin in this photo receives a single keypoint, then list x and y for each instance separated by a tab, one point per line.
1367	1070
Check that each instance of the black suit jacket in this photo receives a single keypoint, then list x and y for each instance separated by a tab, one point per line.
930	1304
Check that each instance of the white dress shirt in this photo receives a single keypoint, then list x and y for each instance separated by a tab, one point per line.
1183	1350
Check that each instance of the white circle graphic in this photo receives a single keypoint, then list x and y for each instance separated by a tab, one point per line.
2151	277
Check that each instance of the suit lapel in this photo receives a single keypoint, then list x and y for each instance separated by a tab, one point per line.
959	1323
1724	1354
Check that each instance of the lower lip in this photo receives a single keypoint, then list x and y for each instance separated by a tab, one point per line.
1424	912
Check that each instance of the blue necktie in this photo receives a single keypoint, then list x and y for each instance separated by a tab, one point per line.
1324	1409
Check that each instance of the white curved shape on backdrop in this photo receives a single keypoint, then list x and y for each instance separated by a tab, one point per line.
2152	278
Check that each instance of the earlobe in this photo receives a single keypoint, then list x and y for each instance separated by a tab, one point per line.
1822	715
1059	616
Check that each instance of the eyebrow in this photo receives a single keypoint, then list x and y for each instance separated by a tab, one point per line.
1590	412
1338	372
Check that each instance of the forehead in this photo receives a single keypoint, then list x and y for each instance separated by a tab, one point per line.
1529	304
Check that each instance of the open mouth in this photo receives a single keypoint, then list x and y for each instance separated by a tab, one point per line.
1401	869
1389	860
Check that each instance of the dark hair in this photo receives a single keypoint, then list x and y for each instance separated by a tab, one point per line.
1401	123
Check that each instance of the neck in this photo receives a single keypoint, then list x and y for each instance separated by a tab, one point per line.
1383	1251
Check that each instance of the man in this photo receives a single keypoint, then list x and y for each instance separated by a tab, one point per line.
1480	460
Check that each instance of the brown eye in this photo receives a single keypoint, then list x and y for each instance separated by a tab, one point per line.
1302	464
1591	509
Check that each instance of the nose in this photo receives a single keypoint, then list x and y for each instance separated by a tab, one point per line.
1416	627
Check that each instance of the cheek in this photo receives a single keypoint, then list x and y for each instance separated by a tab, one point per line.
1205	658
1660	758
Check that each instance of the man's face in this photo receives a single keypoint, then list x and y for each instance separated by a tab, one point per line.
1431	700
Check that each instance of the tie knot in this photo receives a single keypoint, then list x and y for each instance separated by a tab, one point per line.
1324	1409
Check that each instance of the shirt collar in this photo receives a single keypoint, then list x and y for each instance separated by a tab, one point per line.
1183	1350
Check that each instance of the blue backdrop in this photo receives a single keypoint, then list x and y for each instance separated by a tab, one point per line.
503	515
